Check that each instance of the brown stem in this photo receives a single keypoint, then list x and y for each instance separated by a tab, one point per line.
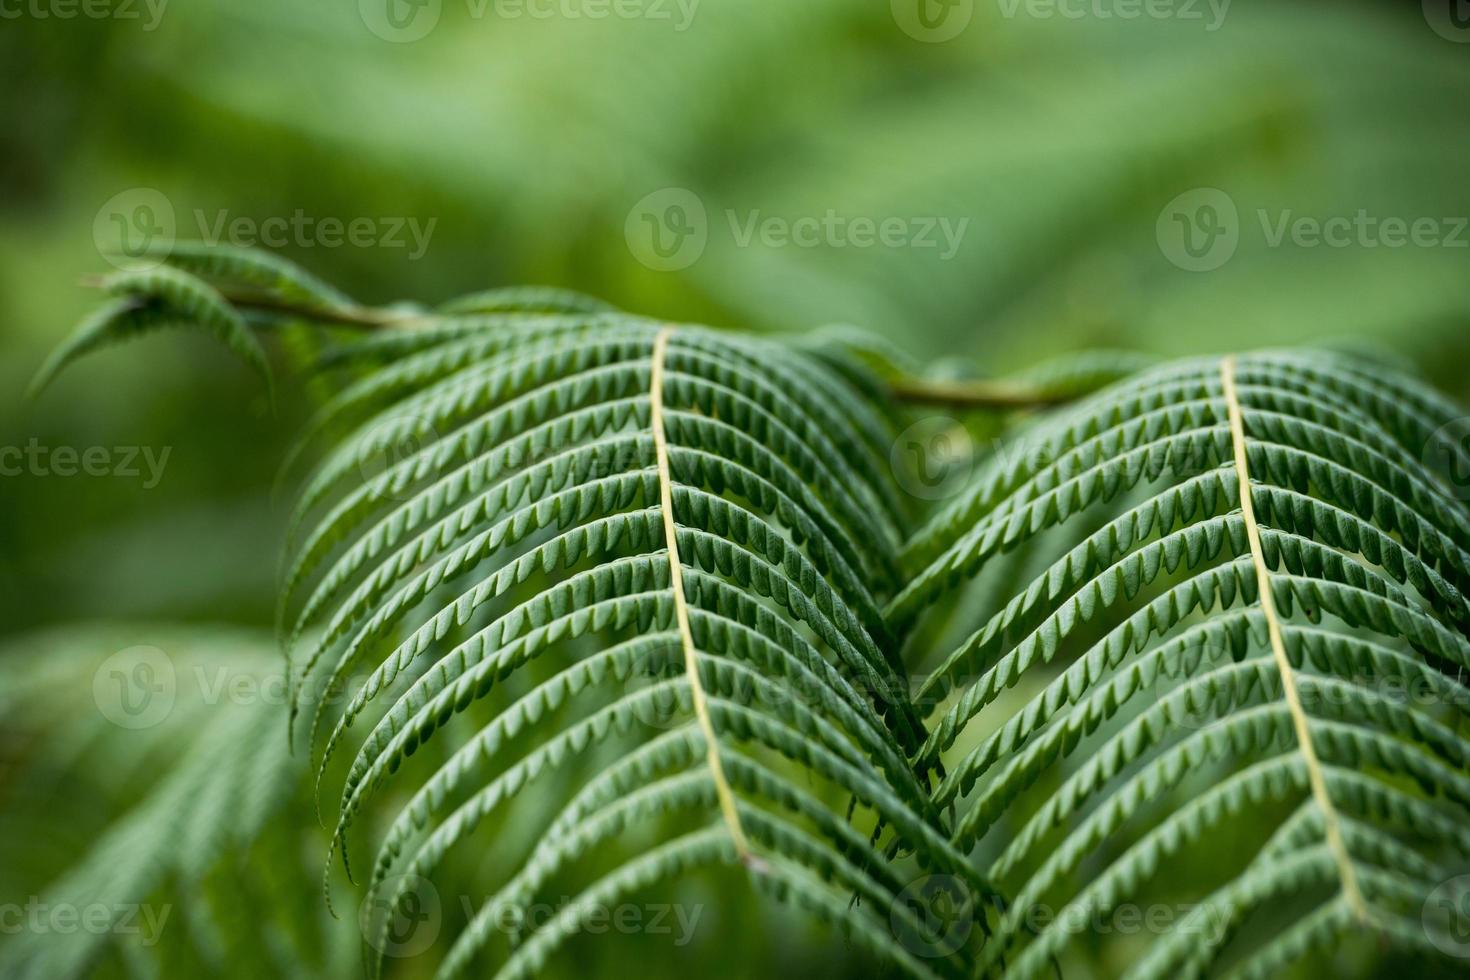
359	317
976	394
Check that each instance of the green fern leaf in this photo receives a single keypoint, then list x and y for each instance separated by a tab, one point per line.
703	511
1272	558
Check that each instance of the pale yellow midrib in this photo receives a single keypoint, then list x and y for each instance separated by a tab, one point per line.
681	608
1331	827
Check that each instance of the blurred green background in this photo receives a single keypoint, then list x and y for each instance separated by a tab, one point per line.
1068	149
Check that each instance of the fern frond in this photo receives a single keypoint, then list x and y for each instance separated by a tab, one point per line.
268	274
562	506
175	793
149	299
1269	559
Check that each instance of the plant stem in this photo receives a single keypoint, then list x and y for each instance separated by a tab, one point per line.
359	317
997	394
